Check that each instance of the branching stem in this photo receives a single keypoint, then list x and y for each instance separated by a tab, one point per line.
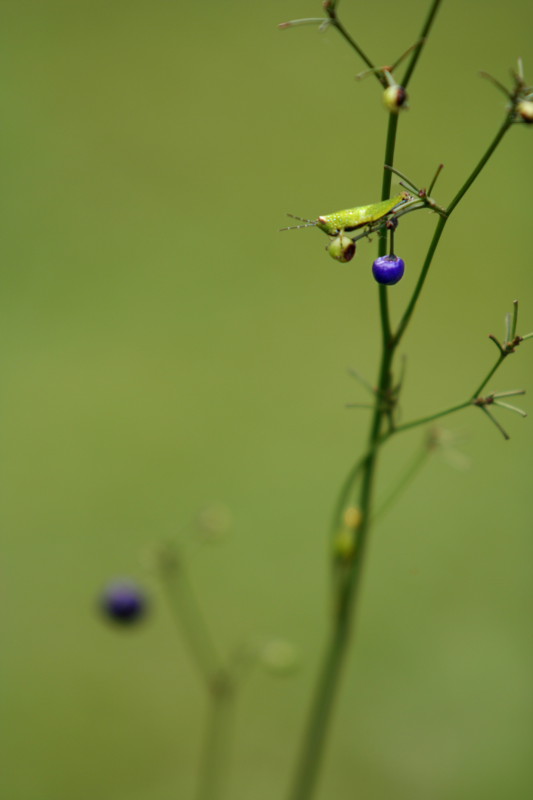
347	588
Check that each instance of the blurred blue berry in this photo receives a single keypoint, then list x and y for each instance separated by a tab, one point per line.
388	269
123	602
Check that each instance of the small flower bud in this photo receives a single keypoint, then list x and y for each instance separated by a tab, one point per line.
344	544
214	523
352	517
342	248
395	98
525	110
279	656
388	270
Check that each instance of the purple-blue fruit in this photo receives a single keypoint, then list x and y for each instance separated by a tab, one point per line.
388	270
123	602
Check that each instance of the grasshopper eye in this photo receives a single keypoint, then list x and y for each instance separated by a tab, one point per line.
342	248
395	98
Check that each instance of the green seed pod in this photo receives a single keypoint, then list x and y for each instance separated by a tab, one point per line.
395	98
342	248
344	544
525	110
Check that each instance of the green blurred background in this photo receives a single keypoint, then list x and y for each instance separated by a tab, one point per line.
163	347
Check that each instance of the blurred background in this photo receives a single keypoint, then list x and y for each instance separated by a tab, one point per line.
163	348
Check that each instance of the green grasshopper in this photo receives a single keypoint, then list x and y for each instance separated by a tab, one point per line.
353	218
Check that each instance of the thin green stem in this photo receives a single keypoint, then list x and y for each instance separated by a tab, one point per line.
344	494
515	319
495	422
470	402
408	313
441	224
349	585
390	146
362	380
491	372
416	465
431	417
215	759
320	714
187	615
418	48
510	407
335	21
508	121
218	681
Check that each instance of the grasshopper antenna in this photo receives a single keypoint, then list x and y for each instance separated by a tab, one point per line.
309	223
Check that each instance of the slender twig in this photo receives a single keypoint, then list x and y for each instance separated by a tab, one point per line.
410	473
187	615
509	407
362	380
218	680
420	44
491	372
215	759
442	222
495	421
508	121
431	417
335	21
345	494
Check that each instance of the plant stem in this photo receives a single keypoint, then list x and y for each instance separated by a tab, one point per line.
349	585
416	465
431	417
508	121
441	224
390	146
187	615
215	759
332	14
482	385
218	681
422	40
345	492
404	322
495	421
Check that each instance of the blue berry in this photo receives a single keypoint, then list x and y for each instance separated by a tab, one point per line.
123	602
388	269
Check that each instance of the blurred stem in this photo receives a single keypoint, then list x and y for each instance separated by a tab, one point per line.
410	473
345	493
218	681
216	756
187	615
